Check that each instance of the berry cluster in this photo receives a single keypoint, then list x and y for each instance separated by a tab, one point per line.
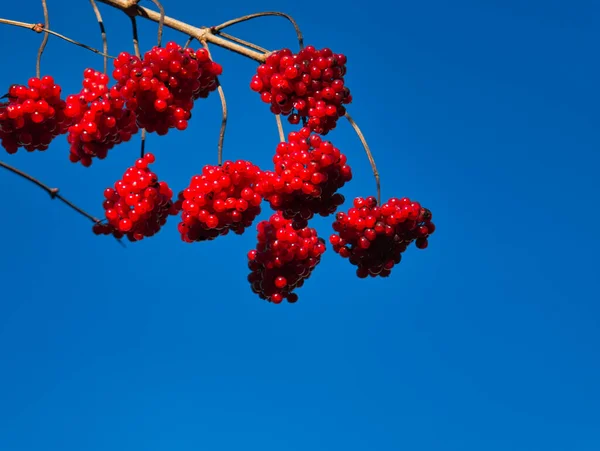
102	121
139	204
308	173
283	259
307	85
374	238
33	116
161	87
221	199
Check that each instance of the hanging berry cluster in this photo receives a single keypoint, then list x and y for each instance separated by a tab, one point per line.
308	85
157	92
33	116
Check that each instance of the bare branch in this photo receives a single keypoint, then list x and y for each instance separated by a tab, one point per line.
224	112
39	28
161	21
52	191
241	41
369	155
143	150
280	127
102	32
38	62
263	14
134	31
200	33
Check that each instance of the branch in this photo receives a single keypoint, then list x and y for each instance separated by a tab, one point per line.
161	21
280	127
263	14
52	191
39	28
44	41
369	155
102	32
224	113
200	33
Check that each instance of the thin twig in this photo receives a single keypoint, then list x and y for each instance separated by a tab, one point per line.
369	154
44	40
52	191
241	41
102	31
136	44
189	41
39	28
224	112
200	33
143	151
161	21
280	127
263	14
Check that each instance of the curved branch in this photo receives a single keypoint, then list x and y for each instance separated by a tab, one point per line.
38	62
263	14
200	33
241	41
369	155
224	112
102	32
161	21
39	28
52	191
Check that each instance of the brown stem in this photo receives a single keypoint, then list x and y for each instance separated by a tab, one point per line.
369	155
102	32
134	31
224	112
38	62
280	127
200	33
143	150
52	191
263	14
161	21
241	41
188	42
39	28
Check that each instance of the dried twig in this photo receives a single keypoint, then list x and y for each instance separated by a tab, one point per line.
38	62
263	14
161	22
102	31
39	28
369	154
280	127
224	112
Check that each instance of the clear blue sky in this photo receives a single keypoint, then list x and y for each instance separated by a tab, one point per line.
485	112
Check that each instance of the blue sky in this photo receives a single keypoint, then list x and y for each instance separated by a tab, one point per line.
485	112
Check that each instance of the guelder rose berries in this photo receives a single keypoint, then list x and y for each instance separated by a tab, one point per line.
308	85
161	87
138	205
102	121
374	238
283	259
33	116
308	173
221	199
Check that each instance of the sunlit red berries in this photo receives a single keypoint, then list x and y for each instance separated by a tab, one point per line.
161	87
221	199
283	259
373	238
33	116
308	85
308	173
138	205
101	119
